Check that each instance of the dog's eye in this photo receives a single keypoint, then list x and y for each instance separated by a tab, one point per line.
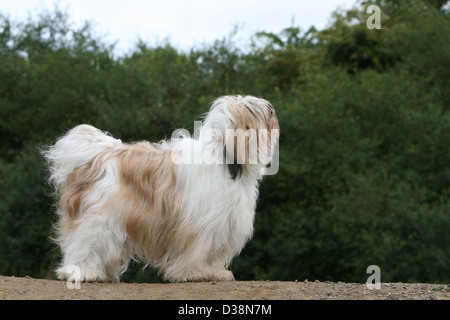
271	110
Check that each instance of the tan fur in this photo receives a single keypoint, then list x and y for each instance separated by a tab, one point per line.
77	187
151	203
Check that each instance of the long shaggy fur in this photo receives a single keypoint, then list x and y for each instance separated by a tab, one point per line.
159	202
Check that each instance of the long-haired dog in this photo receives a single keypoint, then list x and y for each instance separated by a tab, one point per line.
185	205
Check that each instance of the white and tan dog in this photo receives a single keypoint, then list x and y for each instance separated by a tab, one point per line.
159	202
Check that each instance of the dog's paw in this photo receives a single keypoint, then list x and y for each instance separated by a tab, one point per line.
209	275
223	275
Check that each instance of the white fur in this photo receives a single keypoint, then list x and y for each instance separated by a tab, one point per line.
217	208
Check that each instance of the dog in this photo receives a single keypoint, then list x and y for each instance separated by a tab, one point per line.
185	205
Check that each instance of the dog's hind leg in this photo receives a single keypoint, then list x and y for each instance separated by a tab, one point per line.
94	251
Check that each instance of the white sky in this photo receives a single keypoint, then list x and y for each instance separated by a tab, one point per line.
185	23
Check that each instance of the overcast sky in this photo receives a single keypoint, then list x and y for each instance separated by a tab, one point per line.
185	23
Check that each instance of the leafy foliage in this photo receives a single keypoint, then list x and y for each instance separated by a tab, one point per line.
364	160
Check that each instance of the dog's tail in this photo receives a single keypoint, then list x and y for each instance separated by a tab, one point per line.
76	148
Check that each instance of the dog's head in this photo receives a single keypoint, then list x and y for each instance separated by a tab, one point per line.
248	129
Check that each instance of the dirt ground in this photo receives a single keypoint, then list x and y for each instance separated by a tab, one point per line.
26	288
